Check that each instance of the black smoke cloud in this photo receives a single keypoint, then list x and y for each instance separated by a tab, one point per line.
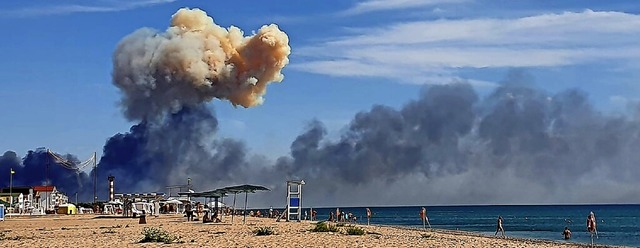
517	144
36	167
153	155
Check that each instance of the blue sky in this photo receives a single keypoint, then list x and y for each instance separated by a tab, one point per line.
55	68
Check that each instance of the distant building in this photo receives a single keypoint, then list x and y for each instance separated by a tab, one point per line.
48	197
16	198
24	197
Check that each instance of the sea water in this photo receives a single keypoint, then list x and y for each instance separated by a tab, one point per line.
617	224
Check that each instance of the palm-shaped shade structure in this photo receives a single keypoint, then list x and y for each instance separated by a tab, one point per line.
246	189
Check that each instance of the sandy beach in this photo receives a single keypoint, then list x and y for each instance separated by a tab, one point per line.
89	231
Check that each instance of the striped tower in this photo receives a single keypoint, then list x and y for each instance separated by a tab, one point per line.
111	194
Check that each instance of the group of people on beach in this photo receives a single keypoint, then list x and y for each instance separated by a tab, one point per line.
341	216
591	227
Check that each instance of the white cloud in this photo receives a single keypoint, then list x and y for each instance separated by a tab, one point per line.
437	48
380	5
62	9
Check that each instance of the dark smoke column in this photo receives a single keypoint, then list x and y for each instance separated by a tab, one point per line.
166	79
194	61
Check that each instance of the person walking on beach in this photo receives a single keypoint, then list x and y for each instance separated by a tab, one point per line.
566	233
189	211
499	227
368	216
591	226
424	218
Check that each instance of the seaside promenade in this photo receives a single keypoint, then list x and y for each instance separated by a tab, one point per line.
88	231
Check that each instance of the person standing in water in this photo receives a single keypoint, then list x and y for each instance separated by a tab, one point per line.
591	226
500	228
566	233
368	216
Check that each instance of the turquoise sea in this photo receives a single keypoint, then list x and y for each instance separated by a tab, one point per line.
617	224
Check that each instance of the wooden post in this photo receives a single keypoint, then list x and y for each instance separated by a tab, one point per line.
246	196
234	206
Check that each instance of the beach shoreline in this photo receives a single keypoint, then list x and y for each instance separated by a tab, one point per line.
478	234
89	231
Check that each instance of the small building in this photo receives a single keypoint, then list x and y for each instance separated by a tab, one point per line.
48	197
67	208
16	198
27	195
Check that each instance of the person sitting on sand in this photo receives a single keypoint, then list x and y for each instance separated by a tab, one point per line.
205	217
566	233
499	227
331	216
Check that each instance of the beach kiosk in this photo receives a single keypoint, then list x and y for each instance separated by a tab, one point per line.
294	199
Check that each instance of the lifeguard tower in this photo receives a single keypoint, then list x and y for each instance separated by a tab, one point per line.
294	200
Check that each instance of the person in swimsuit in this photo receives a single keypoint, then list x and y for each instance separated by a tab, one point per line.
591	226
566	233
500	228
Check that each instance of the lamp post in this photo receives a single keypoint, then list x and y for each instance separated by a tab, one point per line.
189	189
11	188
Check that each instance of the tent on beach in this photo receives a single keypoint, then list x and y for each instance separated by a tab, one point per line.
176	203
67	209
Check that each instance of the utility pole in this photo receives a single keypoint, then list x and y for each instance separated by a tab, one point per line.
11	188
46	180
95	178
189	189
46	169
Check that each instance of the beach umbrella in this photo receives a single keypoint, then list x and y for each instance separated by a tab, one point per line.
246	189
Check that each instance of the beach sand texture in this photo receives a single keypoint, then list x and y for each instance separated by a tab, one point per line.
88	231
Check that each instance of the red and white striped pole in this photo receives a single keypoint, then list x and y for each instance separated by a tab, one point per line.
111	193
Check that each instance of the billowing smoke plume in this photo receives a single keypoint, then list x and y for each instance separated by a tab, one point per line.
194	61
518	145
39	168
167	79
154	155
